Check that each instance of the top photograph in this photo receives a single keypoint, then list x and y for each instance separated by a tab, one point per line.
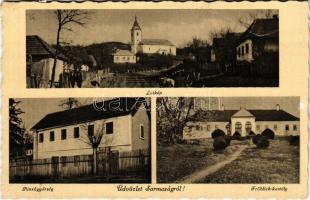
152	48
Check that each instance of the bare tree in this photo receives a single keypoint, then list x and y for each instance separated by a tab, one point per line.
65	20
247	20
69	103
93	139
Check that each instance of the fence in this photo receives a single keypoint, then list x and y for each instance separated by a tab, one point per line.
108	163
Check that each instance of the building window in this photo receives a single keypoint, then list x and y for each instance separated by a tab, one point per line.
63	134
141	132
109	128
257	127
63	161
242	50
52	136
137	33
287	127
246	48
275	127
41	137
238	127
76	132
90	130
295	127
248	127
76	160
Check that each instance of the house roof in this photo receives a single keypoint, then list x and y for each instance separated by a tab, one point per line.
37	46
108	109
156	42
121	52
263	28
260	115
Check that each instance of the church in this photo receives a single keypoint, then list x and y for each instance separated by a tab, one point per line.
139	45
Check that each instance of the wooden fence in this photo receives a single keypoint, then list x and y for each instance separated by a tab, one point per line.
108	163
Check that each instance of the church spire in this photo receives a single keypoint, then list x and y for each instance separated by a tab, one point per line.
135	25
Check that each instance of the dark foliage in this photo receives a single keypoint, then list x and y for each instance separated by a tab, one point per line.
219	143
228	139
262	143
269	134
252	133
294	140
256	138
236	136
217	133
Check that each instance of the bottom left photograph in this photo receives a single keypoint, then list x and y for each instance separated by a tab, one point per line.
80	140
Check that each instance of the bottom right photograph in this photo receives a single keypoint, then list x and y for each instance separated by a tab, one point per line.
228	140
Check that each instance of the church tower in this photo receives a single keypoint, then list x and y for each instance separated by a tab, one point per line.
136	36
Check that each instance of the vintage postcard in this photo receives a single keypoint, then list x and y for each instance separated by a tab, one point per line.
155	100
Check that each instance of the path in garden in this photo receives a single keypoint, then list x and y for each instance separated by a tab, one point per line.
196	176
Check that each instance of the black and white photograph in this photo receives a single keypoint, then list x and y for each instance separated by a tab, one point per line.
218	140
145	48
79	140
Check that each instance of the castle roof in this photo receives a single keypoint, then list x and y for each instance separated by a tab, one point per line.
156	42
260	115
108	109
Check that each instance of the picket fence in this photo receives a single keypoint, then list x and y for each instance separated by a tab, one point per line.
109	163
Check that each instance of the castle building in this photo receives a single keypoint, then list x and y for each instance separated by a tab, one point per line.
149	46
242	121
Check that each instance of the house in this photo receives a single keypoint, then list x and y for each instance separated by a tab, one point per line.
260	38
149	46
243	121
40	59
124	56
124	124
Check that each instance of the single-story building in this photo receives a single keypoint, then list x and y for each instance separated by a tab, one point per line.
124	56
243	121
124	124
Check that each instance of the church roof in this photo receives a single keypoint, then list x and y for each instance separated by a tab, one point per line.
156	42
121	52
136	25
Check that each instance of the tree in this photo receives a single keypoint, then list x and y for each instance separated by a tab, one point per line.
93	138
173	114
16	131
65	19
69	103
247	20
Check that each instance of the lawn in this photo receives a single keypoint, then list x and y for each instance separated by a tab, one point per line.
277	164
177	161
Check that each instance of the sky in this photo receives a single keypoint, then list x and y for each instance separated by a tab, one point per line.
36	108
179	25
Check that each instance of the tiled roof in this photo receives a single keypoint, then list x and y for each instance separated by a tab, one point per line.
263	28
110	108
121	52
156	42
37	46
260	115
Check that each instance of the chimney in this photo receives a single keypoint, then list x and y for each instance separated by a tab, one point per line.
277	107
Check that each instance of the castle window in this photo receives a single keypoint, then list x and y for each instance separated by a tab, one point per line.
238	127
295	127
41	138
287	127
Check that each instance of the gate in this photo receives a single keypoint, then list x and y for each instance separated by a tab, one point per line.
55	166
113	162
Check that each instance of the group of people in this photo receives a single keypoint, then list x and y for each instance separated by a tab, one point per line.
71	79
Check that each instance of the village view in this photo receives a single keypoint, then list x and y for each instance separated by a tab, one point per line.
237	48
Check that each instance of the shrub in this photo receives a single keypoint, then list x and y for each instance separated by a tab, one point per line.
262	143
236	136
217	133
267	133
219	143
256	138
294	140
251	133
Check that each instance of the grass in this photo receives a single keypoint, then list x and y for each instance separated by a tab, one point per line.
177	161
279	163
